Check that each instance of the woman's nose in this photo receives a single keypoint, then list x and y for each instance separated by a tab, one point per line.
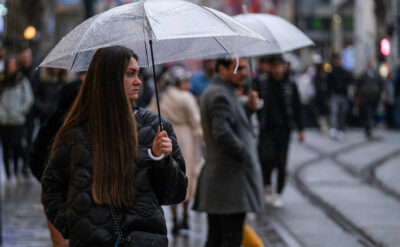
138	82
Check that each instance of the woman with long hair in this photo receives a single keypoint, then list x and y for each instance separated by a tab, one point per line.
16	99
109	169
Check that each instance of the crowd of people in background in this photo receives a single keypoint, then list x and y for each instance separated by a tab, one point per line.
28	97
215	113
337	99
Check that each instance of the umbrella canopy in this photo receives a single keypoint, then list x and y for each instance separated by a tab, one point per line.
281	34
177	30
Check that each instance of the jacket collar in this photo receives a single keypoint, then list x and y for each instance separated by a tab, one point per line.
219	80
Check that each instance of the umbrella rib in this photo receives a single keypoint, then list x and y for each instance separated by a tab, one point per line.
144	36
223	47
146	18
219	19
147	54
73	62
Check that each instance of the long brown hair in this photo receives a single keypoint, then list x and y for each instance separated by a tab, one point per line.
104	105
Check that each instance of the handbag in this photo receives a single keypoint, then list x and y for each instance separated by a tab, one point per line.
137	238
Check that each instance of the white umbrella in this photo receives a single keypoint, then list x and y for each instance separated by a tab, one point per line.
281	34
175	29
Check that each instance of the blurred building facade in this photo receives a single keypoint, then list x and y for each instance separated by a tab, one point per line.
52	19
24	13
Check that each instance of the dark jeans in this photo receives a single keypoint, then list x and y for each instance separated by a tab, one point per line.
273	149
225	230
368	109
339	106
11	140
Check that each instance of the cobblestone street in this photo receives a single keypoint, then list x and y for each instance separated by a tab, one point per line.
339	194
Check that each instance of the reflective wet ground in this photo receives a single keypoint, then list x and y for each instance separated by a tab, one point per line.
340	193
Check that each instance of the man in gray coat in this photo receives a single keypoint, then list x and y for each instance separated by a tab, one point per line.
230	183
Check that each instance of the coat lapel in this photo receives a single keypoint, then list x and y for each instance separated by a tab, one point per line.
236	102
243	114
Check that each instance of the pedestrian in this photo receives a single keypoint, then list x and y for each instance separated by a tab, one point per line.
281	113
200	80
110	170
339	83
370	90
321	101
16	98
179	106
230	183
26	66
50	84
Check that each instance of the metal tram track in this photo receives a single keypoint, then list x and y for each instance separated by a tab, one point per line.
367	174
338	217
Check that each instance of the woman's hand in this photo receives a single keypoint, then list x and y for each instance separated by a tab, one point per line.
161	144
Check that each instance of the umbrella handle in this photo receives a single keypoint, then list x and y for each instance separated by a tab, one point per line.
155	86
154	157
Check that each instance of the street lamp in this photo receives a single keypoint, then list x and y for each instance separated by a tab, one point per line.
30	33
337	19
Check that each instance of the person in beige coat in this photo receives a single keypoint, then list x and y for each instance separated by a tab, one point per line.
179	106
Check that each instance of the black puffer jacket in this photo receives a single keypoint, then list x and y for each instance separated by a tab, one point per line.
67	181
292	111
40	149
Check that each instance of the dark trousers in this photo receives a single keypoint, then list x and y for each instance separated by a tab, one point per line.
368	109
225	230
11	141
30	126
273	149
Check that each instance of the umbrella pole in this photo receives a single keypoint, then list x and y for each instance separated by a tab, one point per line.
250	61
155	86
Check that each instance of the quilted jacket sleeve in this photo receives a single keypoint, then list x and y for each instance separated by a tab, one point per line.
169	176
55	186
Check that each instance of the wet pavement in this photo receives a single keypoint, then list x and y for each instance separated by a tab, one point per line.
24	223
342	175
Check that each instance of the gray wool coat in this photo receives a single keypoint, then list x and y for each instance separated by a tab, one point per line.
231	179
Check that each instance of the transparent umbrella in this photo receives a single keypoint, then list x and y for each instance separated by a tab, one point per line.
281	34
174	29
